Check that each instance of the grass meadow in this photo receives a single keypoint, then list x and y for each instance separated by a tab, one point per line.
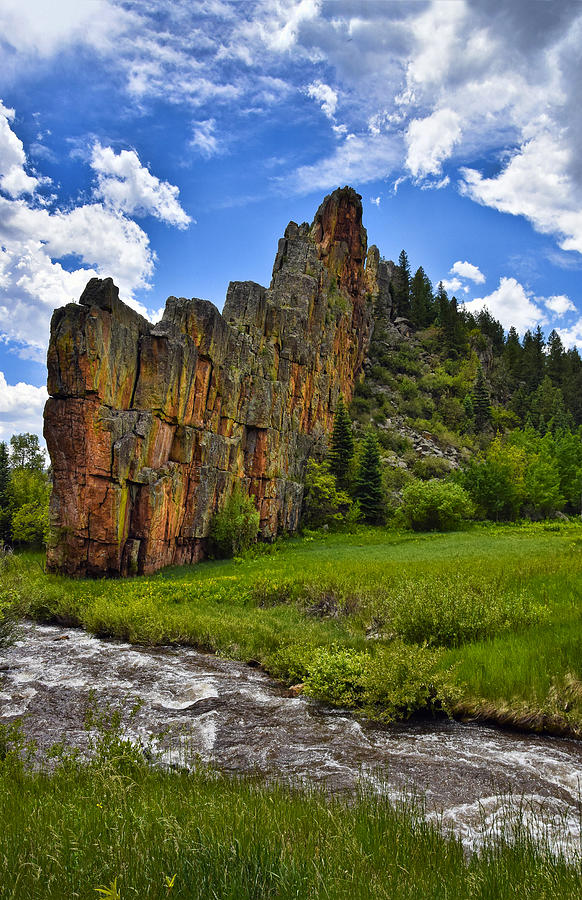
115	827
485	623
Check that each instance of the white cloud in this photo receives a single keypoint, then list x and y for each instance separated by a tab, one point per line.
21	408
325	96
571	337
129	187
431	141
452	284
375	200
48	254
13	178
35	30
559	304
511	304
357	159
205	140
535	184
467	270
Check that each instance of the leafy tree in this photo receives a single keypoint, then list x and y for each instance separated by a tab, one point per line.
369	490
481	401
542	486
341	445
234	528
26	453
496	481
568	464
546	407
323	503
572	384
29	500
435	505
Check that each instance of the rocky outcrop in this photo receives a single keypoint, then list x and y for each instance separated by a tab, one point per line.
149	427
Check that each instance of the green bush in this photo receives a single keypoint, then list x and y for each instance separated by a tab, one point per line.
401	679
427	467
234	528
335	675
324	504
435	505
392	682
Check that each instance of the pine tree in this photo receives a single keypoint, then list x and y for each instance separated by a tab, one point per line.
4	494
533	358
481	401
556	359
422	306
369	490
443	307
401	289
341	445
513	351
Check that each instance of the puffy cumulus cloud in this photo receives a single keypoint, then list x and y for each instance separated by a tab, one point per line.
205	140
559	304
129	187
13	178
452	284
511	304
430	141
96	235
572	337
535	184
325	96
467	270
21	408
47	254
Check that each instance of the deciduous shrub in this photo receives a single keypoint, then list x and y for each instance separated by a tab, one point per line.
234	528
392	682
324	504
435	505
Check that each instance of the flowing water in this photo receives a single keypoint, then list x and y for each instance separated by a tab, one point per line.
236	718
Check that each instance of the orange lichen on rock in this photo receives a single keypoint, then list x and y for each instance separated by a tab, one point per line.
149	427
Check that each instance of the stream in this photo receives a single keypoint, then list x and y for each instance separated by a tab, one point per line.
473	778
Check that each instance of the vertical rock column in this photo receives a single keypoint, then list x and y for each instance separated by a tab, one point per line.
149	427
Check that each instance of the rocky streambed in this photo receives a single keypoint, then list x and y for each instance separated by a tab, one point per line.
474	779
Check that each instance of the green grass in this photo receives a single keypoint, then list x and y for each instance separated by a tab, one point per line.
114	819
485	622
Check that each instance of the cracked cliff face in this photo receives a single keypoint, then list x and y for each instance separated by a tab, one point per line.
149	427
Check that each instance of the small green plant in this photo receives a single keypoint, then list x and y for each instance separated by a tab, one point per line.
109	893
234	528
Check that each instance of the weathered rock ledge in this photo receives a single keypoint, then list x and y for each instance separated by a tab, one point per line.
149	427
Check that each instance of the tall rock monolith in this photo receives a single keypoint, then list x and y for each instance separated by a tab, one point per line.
149	427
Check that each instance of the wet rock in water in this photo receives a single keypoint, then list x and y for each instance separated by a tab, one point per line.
234	717
149	427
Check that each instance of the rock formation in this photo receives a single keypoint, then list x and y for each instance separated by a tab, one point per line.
149	427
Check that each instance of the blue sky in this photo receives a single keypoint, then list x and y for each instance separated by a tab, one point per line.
167	144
